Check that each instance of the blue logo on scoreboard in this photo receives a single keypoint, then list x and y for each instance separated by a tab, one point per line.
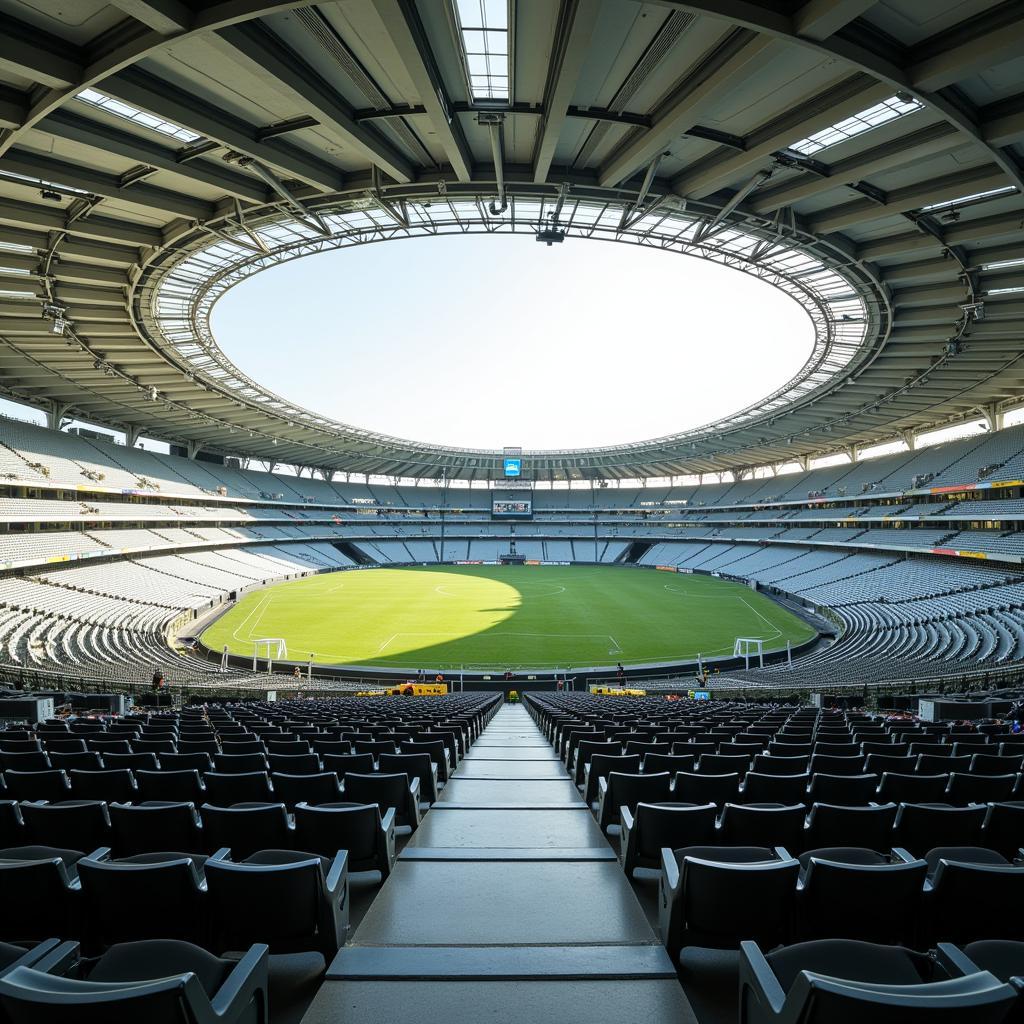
513	467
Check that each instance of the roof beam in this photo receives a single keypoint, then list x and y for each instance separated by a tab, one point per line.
261	52
164	16
819	19
107	185
161	98
573	34
73	128
936	138
696	91
905	199
1000	42
54	218
402	23
29	53
848	96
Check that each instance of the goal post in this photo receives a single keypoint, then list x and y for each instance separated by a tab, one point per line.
276	642
744	646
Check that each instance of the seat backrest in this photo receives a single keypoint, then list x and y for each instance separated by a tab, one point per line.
51	785
700	788
294	764
225	789
831	825
234	763
325	830
143	828
38	901
870	902
342	764
277	904
128	902
724	904
763	825
661	826
311	788
247	828
73	825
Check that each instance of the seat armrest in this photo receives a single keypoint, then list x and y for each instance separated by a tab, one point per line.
781	853
100	854
248	981
337	874
758	981
224	853
56	958
387	841
669	911
901	856
954	961
627	840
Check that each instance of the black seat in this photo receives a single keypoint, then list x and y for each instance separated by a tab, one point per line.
136	762
618	790
829	825
71	824
155	980
654	827
37	895
780	764
150	827
1004	828
415	766
437	751
600	766
762	825
110	784
829	764
88	760
922	827
724	764
774	789
361	829
235	763
223	790
706	789
294	764
246	828
199	761
873	902
156	899
398	791
321	788
715	897
341	764
843	981
912	789
180	785
51	785
973	788
844	790
293	901
962	898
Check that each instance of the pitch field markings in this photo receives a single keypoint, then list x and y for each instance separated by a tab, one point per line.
465	642
444	592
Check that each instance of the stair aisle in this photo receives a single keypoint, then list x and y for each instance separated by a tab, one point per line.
507	906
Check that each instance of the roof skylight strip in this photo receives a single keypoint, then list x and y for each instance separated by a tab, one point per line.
857	124
483	28
125	110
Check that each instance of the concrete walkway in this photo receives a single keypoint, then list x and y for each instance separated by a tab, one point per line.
508	906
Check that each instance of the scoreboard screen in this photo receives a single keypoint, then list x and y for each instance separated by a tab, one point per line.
513	467
518	507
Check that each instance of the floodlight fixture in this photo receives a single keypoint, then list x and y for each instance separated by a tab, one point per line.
550	236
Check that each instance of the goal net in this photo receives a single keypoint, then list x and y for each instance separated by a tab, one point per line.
747	645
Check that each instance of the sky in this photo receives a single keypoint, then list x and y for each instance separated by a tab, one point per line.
483	341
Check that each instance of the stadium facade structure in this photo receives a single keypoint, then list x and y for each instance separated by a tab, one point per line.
864	158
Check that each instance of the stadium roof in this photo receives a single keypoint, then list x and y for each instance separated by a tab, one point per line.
868	158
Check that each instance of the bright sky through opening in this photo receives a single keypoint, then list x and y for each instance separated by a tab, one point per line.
483	342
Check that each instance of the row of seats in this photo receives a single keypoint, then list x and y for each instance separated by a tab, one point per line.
365	830
646	829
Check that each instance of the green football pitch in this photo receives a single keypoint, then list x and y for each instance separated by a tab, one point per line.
504	617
